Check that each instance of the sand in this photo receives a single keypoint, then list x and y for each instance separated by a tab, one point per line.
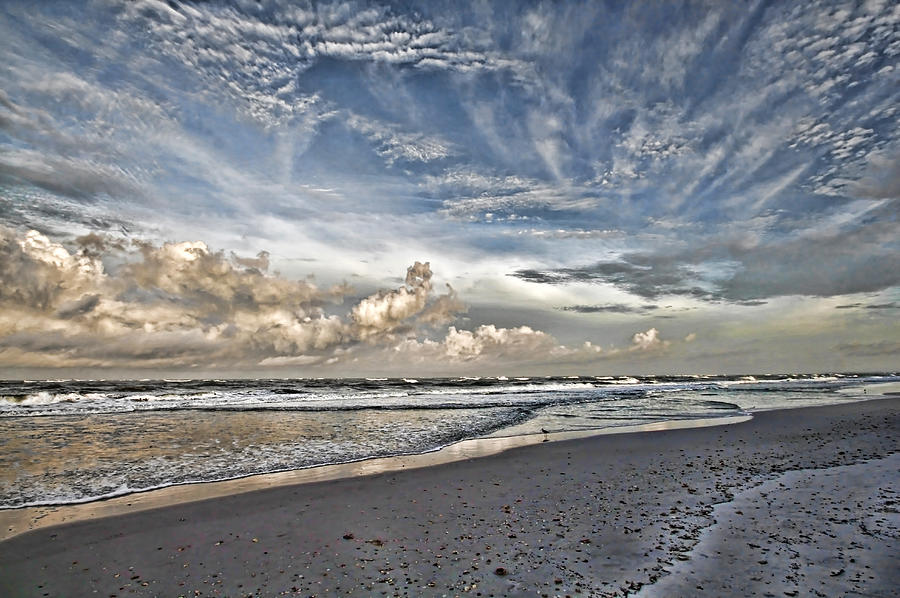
799	502
17	521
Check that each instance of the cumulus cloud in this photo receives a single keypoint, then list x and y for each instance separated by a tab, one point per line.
260	262
392	311
490	346
648	341
36	272
517	342
444	309
183	304
167	304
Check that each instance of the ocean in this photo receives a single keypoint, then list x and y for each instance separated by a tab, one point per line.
71	441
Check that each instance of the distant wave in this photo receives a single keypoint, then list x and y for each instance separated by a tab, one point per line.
72	397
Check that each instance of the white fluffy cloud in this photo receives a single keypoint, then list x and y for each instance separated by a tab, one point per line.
388	311
489	346
488	339
177	304
648	341
182	304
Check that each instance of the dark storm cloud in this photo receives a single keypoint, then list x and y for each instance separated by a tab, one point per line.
616	308
863	349
869	306
642	275
856	258
77	307
883	306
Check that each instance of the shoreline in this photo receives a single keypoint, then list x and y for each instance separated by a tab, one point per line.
21	520
605	515
821	547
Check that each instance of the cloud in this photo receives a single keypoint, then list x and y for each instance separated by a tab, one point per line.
490	346
51	153
648	341
394	145
158	304
295	360
870	349
260	55
648	276
260	262
182	304
848	306
740	154
883	306
74	177
77	307
443	310
881	179
575	233
475	196
857	305
386	311
498	342
852	257
616	308
107	304
40	274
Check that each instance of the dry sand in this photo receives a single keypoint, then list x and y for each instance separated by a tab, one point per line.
800	502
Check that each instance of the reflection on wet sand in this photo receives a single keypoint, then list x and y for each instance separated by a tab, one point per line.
17	521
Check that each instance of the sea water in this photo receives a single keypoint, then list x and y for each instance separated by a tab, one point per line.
70	441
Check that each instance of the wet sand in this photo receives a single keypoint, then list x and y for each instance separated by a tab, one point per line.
18	521
799	502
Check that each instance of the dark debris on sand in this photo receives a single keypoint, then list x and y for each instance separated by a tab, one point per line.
605	516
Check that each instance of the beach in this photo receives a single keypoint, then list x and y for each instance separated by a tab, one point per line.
792	502
464	298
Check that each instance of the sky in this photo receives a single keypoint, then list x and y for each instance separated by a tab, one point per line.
281	188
